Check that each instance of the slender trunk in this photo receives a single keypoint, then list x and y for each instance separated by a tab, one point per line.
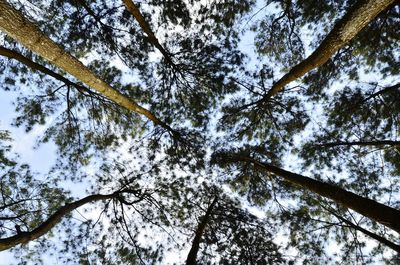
345	29
135	11
361	143
374	210
53	220
35	66
379	238
13	23
192	256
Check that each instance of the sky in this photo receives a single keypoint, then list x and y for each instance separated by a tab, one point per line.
43	157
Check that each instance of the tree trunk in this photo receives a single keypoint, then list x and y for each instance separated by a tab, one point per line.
14	24
35	66
192	256
379	238
53	220
134	10
376	211
361	143
345	29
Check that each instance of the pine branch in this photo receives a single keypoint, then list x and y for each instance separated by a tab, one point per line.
55	218
362	12
135	11
376	211
361	143
14	24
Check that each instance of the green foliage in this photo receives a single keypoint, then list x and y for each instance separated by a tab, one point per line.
211	93
26	201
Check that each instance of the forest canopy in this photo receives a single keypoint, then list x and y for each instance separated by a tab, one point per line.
201	132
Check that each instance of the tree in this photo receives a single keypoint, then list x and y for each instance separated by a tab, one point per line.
14	24
236	235
192	256
386	215
146	28
46	226
344	30
235	133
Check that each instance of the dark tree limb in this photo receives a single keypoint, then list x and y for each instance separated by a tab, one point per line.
376	211
361	143
15	25
379	238
381	92
5	206
25	237
11	54
53	220
12	217
192	256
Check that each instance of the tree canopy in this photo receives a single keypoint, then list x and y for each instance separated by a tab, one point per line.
202	132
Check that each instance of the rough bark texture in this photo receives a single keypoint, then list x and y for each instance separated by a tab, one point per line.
53	220
192	256
376	211
14	24
135	11
35	66
345	29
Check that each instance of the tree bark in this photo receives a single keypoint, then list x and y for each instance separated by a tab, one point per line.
35	66
361	143
135	11
14	24
192	256
53	220
344	30
376	211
